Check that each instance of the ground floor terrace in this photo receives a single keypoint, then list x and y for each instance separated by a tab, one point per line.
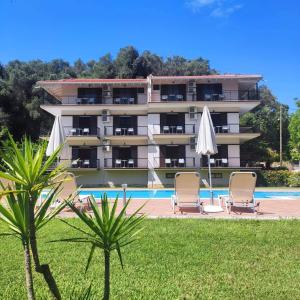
148	178
274	204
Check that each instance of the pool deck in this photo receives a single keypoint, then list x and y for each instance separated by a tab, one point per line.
161	208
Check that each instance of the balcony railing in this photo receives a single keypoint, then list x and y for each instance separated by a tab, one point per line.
87	131
172	97
230	95
226	95
233	128
80	163
215	162
173	129
125	100
179	162
128	131
128	163
73	100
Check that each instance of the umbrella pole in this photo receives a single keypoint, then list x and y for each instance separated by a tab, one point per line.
210	186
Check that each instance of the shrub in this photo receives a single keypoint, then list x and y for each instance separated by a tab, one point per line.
294	179
273	178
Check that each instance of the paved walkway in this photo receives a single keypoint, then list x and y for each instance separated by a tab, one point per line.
161	208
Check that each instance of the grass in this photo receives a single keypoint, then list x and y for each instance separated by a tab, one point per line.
175	259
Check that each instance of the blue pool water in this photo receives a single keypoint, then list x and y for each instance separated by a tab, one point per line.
162	194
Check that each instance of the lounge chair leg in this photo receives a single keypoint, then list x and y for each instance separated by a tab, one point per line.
229	209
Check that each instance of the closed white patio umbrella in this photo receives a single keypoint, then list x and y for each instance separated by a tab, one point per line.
57	136
206	145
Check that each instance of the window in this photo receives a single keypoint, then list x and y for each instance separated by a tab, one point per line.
170	175
156	87
89	92
141	90
217	175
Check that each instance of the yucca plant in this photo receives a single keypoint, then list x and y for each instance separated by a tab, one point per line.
108	231
14	213
28	169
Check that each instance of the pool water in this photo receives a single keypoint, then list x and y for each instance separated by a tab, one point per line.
163	194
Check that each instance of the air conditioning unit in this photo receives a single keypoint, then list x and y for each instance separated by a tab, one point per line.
106	145
105	115
193	113
193	143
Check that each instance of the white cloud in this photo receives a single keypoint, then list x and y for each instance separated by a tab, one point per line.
225	11
195	5
217	8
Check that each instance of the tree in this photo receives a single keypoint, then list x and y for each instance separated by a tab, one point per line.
107	231
27	169
265	120
125	62
104	68
80	68
148	63
294	130
180	66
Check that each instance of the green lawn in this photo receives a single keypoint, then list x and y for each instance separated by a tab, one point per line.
175	259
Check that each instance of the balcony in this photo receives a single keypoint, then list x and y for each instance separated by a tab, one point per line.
223	95
172	98
177	129
124	100
88	131
82	136
229	95
73	100
125	131
81	164
125	163
215	162
179	162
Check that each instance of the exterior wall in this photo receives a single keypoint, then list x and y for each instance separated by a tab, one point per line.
190	155
142	123
153	125
233	120
233	155
142	152
153	156
112	178
142	98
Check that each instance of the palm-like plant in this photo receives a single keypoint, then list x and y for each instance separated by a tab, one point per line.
108	231
14	213
26	167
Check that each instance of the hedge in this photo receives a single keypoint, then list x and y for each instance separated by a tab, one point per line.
278	178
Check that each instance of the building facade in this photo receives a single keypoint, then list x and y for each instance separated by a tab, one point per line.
142	131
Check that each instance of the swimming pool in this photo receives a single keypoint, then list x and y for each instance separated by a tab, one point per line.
166	194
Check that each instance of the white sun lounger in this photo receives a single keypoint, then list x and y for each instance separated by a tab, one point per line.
187	186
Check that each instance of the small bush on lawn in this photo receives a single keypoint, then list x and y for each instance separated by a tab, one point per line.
294	179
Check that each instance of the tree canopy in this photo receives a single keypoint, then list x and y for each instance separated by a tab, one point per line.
265	119
294	129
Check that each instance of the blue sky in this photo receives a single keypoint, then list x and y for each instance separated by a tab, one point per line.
237	36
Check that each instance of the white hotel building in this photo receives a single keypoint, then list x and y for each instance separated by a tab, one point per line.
142	131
